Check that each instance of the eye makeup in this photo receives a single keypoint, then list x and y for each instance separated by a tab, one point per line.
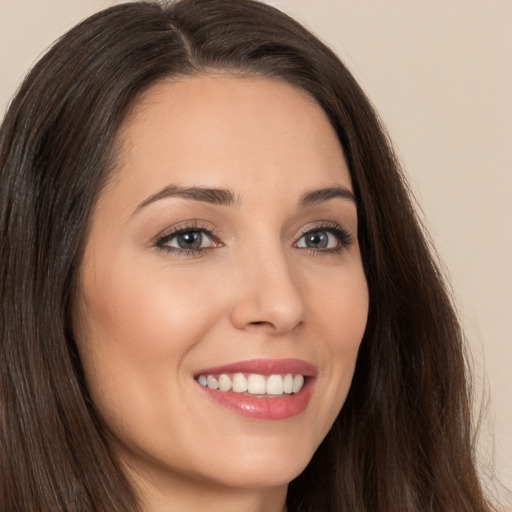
195	238
320	237
189	239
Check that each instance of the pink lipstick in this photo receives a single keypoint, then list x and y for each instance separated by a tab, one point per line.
270	389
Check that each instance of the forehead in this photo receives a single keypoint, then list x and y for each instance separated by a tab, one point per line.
228	131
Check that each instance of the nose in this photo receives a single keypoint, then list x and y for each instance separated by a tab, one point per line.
269	296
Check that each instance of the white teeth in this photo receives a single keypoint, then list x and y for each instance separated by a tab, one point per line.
275	385
212	382
254	384
239	383
224	383
298	382
288	383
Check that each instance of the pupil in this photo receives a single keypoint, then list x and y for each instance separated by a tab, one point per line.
317	240
190	240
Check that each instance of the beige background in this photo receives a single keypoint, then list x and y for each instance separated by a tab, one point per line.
440	74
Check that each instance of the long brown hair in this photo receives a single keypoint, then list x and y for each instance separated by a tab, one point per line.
403	440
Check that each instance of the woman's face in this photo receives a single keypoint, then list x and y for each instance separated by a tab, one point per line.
223	253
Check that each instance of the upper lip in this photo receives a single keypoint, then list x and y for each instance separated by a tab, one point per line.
264	367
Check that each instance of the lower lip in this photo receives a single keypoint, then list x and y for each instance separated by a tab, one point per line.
278	407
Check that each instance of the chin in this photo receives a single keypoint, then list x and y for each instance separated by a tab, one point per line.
262	476
264	466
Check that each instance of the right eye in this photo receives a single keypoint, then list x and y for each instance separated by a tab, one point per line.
188	241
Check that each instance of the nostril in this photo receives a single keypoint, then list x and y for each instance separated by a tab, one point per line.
262	326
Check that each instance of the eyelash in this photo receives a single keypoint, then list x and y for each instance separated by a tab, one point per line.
343	236
195	228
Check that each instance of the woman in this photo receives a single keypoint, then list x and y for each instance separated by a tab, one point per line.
219	294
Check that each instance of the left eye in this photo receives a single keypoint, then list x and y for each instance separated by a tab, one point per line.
318	239
192	239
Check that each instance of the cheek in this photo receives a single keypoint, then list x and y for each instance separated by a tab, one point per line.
351	314
342	310
143	313
134	331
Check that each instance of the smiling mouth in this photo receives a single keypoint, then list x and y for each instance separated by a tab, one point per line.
260	389
254	384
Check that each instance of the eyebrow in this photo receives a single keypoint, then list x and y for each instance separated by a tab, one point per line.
325	194
226	197
206	195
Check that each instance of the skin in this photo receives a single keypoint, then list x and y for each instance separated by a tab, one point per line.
146	319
